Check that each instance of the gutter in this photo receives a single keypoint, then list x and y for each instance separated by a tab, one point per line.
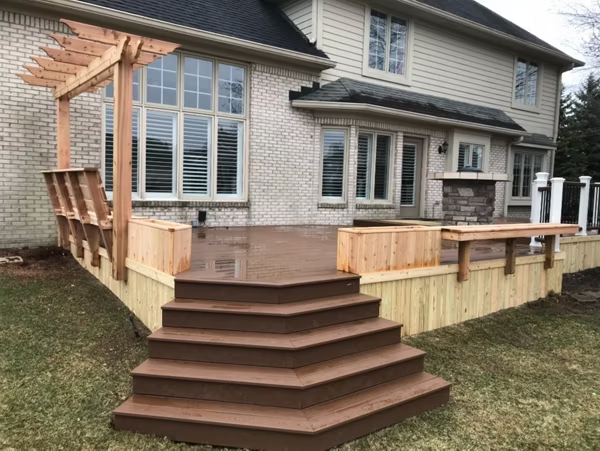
504	36
103	13
385	111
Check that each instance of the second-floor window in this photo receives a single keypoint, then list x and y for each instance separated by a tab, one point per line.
526	83
388	43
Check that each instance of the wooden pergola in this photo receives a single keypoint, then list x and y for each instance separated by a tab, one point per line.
91	60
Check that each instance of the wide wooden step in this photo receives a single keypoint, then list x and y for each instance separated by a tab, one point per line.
272	318
273	428
299	289
275	350
280	387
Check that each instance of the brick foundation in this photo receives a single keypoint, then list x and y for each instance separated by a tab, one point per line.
468	202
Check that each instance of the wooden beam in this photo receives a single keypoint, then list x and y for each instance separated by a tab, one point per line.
34	81
549	245
511	256
122	142
63	133
64	56
46	74
464	260
94	71
108	36
56	66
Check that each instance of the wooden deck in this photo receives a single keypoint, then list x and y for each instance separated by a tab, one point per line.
292	253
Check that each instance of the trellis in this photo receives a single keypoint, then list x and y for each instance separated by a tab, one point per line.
90	60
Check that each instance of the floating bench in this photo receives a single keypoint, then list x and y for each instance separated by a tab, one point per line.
510	232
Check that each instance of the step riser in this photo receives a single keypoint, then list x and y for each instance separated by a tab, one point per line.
268	324
271	357
265	295
231	436
274	396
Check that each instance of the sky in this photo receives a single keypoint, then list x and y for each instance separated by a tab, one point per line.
543	18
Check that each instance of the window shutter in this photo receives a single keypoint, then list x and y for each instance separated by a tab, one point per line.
196	156
109	149
229	158
462	156
161	129
363	165
409	176
334	149
382	168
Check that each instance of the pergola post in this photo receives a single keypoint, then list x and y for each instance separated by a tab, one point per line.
63	133
122	139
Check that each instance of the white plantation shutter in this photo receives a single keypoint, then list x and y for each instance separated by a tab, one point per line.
462	156
196	154
161	151
363	185
382	168
109	149
409	176
229	158
334	150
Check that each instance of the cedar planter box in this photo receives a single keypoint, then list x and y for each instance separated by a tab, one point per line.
364	250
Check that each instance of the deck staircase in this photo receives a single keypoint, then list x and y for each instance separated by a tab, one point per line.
303	366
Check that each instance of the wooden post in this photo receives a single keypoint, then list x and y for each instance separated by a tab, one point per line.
63	133
123	79
511	256
464	260
549	243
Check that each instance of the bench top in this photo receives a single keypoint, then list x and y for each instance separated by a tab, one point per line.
501	231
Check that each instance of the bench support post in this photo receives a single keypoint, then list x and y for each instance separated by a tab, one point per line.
511	256
549	243
464	259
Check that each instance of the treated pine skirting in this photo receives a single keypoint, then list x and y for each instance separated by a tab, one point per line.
430	298
144	293
582	253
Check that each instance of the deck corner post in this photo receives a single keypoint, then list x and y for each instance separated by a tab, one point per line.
122	162
540	181
584	203
556	200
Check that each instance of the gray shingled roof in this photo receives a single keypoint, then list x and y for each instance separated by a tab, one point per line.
538	139
476	12
252	20
352	91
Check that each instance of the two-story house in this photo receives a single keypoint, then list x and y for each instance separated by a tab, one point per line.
294	112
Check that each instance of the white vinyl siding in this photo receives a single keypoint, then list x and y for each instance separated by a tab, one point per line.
189	129
300	12
438	62
333	167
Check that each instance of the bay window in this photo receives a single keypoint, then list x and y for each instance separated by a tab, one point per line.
189	124
373	167
333	169
525	166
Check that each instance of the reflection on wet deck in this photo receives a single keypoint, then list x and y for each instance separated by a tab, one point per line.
281	253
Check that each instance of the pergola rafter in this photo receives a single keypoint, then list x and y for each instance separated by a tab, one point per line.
90	60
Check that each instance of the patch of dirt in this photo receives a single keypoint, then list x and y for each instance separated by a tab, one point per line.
36	260
574	285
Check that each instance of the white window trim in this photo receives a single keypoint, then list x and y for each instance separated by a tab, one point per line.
390	191
459	136
180	109
405	79
521	106
522	201
334	200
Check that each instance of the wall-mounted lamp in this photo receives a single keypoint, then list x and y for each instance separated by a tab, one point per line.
443	149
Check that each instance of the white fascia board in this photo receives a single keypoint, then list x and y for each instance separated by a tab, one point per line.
384	111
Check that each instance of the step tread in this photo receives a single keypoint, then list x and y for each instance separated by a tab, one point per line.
299	378
296	340
192	276
289	309
312	420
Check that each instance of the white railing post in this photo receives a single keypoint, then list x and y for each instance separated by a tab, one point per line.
556	198
584	204
541	180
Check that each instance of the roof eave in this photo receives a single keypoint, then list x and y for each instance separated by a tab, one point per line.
102	13
385	111
562	57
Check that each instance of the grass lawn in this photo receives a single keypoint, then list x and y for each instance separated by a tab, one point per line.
526	379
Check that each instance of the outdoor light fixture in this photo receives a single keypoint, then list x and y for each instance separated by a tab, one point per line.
443	149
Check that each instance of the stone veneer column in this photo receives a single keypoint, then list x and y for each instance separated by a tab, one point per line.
468	202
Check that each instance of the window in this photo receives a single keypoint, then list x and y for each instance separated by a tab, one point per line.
470	156
334	164
526	83
373	168
191	144
387	43
525	166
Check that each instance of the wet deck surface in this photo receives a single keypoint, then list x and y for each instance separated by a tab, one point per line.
276	254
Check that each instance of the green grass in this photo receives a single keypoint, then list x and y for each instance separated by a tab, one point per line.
524	379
